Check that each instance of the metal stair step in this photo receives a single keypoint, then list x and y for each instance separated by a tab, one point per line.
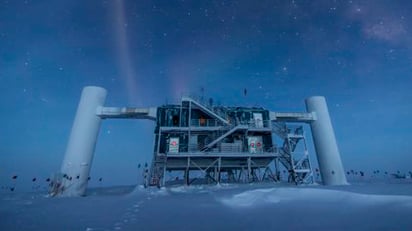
302	170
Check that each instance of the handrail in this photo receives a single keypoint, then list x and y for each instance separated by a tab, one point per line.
194	148
238	127
205	109
204	122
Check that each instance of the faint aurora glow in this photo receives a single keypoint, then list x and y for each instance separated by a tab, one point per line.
125	62
179	77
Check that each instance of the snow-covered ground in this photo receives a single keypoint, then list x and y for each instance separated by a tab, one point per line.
360	206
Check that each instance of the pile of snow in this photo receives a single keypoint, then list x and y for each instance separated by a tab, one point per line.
282	195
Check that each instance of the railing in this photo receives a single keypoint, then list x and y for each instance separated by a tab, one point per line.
256	123
204	123
223	148
208	109
282	130
214	123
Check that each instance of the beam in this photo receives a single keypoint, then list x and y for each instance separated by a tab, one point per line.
127	113
292	117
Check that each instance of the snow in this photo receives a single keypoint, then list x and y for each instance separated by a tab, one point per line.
274	195
370	206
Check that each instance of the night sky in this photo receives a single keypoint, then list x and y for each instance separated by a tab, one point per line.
145	53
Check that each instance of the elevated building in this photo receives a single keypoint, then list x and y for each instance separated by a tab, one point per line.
231	144
210	143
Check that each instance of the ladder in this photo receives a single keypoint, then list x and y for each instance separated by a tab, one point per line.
156	171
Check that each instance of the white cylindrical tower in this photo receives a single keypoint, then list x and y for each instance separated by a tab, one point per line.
80	148
330	164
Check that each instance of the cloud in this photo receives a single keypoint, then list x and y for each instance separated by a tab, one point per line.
389	30
380	22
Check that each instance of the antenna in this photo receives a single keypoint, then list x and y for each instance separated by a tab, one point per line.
202	94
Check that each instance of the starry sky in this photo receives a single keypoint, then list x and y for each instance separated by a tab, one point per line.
146	53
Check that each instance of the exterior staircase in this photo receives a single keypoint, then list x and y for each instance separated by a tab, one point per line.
300	170
234	129
205	109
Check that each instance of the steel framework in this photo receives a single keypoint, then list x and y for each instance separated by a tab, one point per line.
255	162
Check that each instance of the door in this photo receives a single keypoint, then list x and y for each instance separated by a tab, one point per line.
257	117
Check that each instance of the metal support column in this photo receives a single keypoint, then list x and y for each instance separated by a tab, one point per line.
277	171
187	171
164	174
219	164
249	173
